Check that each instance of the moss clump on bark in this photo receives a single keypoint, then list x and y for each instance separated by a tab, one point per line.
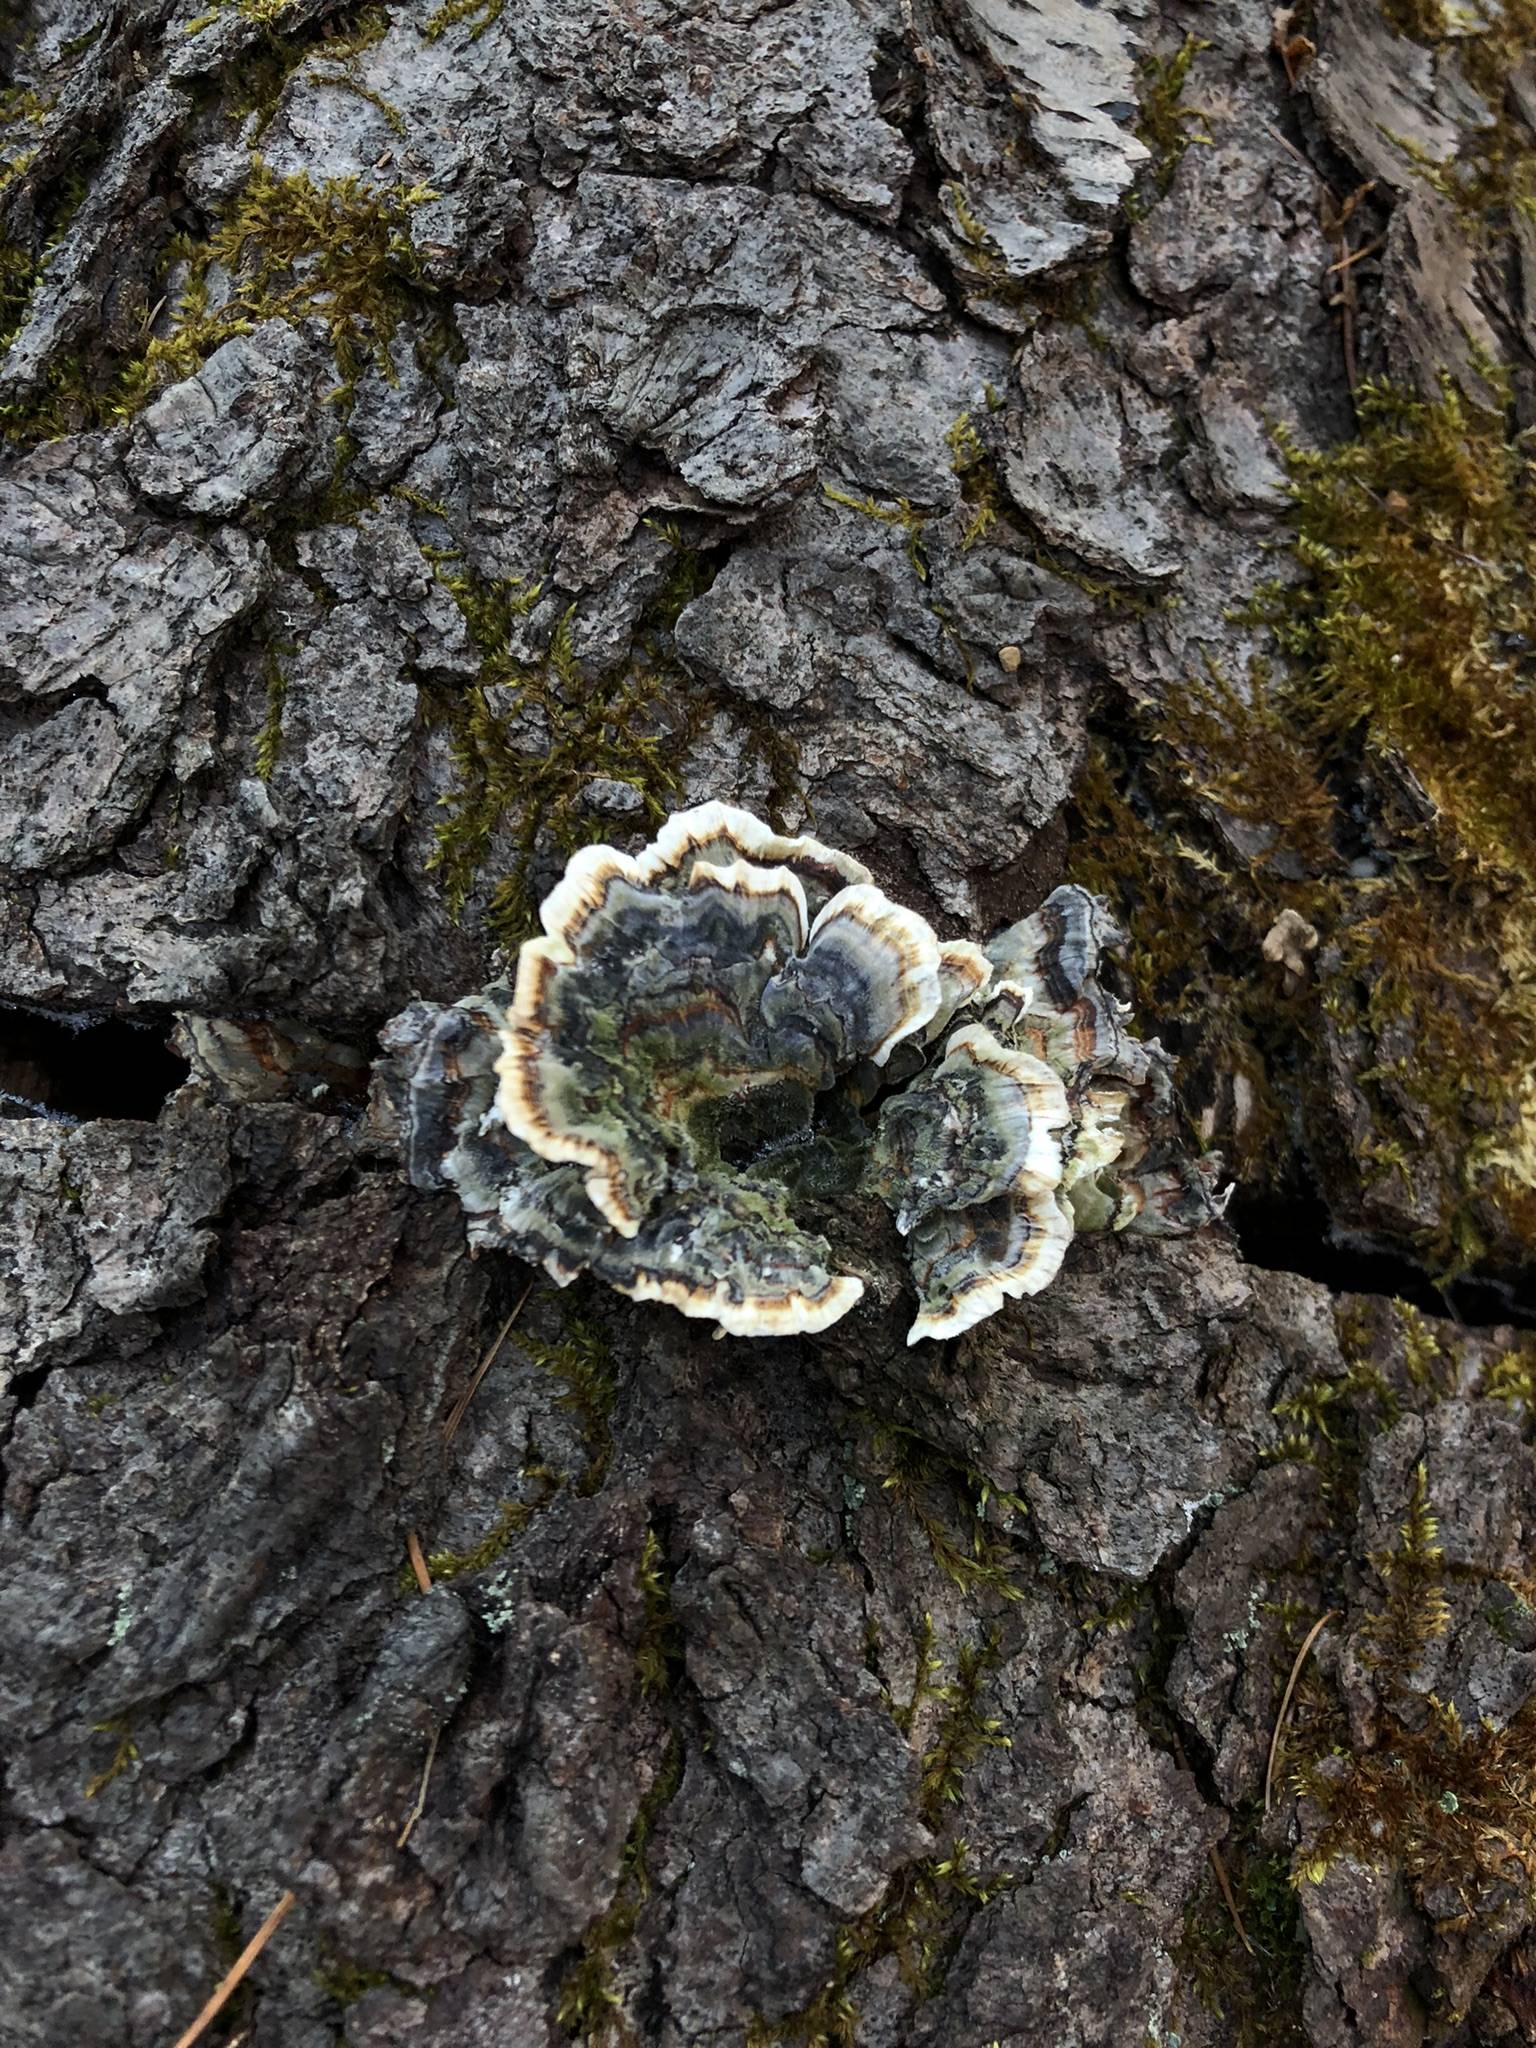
1492	171
1166	122
292	248
529	737
591	2007
1380	788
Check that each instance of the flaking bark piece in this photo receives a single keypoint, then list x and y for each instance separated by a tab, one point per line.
967	1262
966	1130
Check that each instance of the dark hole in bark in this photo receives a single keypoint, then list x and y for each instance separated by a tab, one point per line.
75	1068
1290	1231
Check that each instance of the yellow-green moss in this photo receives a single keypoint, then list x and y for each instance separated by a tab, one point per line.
581	1360
659	1655
918	1922
292	248
1165	122
480	14
589	2006
1401	726
269	742
125	1753
980	488
948	1501
512	1518
1453	1808
1255	1990
900	513
1492	171
623	723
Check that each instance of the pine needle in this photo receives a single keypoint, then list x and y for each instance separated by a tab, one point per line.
421	1797
1290	1686
460	1407
229	1984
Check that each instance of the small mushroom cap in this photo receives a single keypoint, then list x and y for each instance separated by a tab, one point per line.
868	979
1097	1141
720	833
964	972
968	1262
1069	1020
440	1068
1058	948
1173	1201
967	1129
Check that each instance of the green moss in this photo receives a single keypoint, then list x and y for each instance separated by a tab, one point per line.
949	1502
125	1753
964	1730
346	1981
582	1361
512	1518
1492	172
1512	1377
1452	1809
1446	1806
229	1939
1401	724
659	1655
480	14
919	1922
269	743
292	248
986	259
590	2008
628	724
900	513
254	82
1255	1990
980	487
1416	1610
1166	123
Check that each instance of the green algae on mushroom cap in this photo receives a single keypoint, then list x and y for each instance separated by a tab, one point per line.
966	1129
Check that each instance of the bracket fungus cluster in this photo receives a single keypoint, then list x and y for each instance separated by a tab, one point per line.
709	1030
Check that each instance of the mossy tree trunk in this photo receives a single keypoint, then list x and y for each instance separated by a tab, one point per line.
1019	439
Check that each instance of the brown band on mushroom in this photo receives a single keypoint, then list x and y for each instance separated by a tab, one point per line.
968	1128
964	972
968	1262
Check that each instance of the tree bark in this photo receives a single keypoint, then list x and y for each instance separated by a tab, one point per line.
434	440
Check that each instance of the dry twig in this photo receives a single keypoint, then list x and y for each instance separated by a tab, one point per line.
413	1551
1226	1892
229	1984
421	1797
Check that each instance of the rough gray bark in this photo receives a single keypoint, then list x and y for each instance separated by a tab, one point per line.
795	1691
